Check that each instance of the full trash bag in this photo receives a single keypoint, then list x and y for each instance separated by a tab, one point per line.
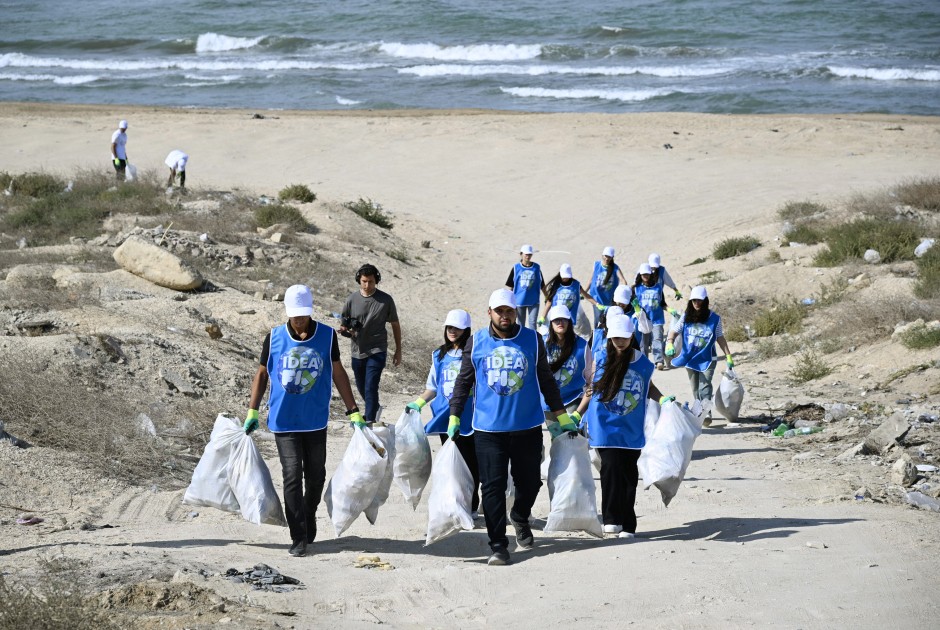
413	460
386	434
668	450
643	323
571	488
729	396
451	493
252	485
209	486
356	480
130	173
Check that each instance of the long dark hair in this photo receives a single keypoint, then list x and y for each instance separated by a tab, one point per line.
700	316
615	369
654	278
566	344
611	268
447	345
552	287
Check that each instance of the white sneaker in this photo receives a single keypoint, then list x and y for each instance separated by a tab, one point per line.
613	529
626	535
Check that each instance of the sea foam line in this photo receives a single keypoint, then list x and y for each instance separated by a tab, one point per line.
69	80
475	52
885	74
607	95
482	70
19	60
214	42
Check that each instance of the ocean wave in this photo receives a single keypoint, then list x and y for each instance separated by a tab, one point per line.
607	95
438	70
213	42
476	52
346	101
215	78
19	60
884	74
68	80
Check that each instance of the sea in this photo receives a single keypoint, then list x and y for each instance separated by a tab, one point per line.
719	56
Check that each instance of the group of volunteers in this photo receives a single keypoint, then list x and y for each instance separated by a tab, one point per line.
176	160
535	360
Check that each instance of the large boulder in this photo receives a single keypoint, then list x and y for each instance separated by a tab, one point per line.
887	434
156	264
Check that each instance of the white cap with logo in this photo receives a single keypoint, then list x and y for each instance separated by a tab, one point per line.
655	260
698	293
644	268
622	294
619	326
458	318
609	251
559	311
298	301
502	297
526	249
565	271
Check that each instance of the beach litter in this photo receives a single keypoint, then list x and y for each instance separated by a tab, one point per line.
28	519
15	441
372	562
264	578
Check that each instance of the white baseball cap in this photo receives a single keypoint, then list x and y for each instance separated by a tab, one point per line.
622	294
655	260
565	271
458	318
526	249
644	268
181	165
122	124
502	297
619	326
614	311
298	301
609	251
698	293
559	311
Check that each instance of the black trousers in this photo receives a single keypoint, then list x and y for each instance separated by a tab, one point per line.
120	169
619	476
495	452
303	462
468	449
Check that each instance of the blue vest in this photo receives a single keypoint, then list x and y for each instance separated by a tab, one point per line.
698	344
570	296
651	300
527	284
507	389
636	328
445	373
619	423
603	293
598	343
301	377
570	376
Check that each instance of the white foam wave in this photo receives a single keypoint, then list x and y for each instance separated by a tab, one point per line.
71	80
607	95
476	52
346	101
213	78
213	42
482	70
885	74
19	60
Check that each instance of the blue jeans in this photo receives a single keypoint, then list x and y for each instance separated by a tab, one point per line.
528	316
368	372
653	344
702	382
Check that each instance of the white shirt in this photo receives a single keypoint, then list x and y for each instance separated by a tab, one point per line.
176	159
119	140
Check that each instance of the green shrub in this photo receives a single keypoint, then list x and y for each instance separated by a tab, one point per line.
928	274
37	185
920	193
735	246
773	256
371	212
809	366
710	277
774	347
697	261
736	333
796	210
5	179
806	234
297	192
271	214
781	317
894	240
400	254
921	337
832	292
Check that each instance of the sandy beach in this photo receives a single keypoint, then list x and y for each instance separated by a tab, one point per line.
754	539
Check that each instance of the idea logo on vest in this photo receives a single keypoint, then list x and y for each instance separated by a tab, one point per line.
505	368
631	392
299	368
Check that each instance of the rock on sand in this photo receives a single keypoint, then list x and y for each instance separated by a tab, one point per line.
157	265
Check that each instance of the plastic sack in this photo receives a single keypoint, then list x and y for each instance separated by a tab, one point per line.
130	173
729	396
251	483
386	434
356	480
571	488
643	323
924	247
209	486
450	496
651	418
413	460
668	450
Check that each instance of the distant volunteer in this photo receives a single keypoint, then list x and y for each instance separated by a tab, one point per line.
176	160
661	275
507	367
301	361
626	300
568	357
119	151
564	290
604	280
700	330
614	411
599	340
439	389
527	284
649	294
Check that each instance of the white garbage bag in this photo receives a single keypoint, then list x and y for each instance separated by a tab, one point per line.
571	488
386	435
595	459
130	173
356	480
668	451
209	486
413	460
729	396
643	323
451	493
251	483
651	418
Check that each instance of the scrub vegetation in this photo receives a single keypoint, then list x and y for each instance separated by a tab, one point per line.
783	316
371	212
735	246
809	366
272	214
297	192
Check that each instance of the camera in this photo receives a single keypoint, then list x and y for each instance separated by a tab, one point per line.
351	324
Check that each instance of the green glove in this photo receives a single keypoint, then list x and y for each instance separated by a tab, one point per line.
602	307
574	415
356	420
636	306
666	399
678	294
673	312
117	162
670	350
453	427
541	321
417	405
251	421
729	360
565	425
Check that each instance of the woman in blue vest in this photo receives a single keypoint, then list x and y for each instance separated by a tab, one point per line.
626	300
599	340
564	290
614	409
527	284
649	293
445	365
700	329
604	280
568	355
301	361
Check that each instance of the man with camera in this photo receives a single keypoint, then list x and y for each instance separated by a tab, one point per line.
365	315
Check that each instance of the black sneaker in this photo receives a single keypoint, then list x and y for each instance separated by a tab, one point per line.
298	549
524	538
499	557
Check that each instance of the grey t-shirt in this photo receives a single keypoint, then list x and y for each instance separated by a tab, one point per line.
373	312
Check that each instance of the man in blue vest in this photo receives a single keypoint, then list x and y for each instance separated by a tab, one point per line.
507	367
303	358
